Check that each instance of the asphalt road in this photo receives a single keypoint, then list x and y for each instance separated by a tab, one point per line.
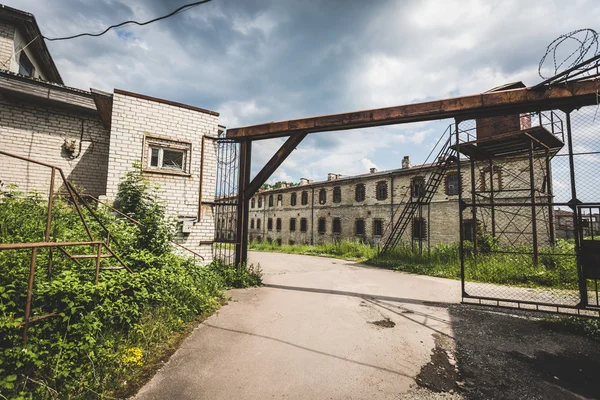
319	329
323	328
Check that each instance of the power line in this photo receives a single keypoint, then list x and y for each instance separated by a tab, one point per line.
177	11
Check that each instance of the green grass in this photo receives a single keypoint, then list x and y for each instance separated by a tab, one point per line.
443	261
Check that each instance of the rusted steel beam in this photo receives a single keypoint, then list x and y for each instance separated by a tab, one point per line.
274	163
572	94
243	200
29	293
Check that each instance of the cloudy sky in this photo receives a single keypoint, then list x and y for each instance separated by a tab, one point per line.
257	61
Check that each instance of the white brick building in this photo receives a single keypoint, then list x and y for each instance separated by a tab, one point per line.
96	137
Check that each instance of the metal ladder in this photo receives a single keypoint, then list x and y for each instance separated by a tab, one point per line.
444	159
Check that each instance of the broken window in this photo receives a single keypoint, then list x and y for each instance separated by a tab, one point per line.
337	226
25	66
292	224
293	200
322	196
337	194
278	225
270	224
304	198
303	225
452	184
322	225
419	230
377	227
359	227
359	192
167	159
381	190
279	200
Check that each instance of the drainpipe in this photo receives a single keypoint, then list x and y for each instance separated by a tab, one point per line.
312	218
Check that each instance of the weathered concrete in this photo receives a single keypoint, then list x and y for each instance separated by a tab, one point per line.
309	334
329	329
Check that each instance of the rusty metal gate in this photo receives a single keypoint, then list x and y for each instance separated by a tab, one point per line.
528	211
225	204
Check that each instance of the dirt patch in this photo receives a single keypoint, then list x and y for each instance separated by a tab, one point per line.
441	373
383	323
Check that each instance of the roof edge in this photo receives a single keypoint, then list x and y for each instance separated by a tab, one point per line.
163	101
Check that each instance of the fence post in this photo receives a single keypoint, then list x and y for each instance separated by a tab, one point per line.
29	293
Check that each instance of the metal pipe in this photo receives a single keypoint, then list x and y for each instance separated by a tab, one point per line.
460	216
550	192
201	180
49	218
576	228
29	293
533	204
493	210
473	206
98	256
18	246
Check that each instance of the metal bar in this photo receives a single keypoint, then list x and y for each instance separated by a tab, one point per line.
98	257
533	205
92	213
201	180
17	246
117	257
460	215
473	206
29	293
75	203
49	218
241	249
576	227
549	189
68	255
480	105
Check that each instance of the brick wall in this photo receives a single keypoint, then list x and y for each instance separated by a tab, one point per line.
38	132
7	39
133	120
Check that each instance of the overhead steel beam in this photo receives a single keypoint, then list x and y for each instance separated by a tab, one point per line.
521	100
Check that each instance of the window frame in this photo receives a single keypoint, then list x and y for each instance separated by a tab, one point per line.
377	221
360	221
26	70
278	224
292	224
413	191
260	202
304	198
160	144
457	185
293	199
322	226
258	223
270	201
252	202
270	224
252	223
337	194
322	196
359	192
422	232
336	223
279	200
303	225
381	190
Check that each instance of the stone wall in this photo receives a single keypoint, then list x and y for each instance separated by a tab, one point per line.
441	216
136	122
39	131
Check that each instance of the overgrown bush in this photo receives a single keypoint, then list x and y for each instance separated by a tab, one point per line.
104	335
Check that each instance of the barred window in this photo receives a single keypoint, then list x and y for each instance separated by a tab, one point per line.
322	196
419	229
359	192
304	199
377	227
418	187
452	184
322	225
381	190
337	226
359	227
337	194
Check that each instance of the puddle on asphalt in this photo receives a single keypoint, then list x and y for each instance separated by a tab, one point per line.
441	373
383	323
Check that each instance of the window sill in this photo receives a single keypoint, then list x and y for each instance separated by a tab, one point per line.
167	172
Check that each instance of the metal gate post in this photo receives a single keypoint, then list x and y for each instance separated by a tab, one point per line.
581	280
460	213
241	231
